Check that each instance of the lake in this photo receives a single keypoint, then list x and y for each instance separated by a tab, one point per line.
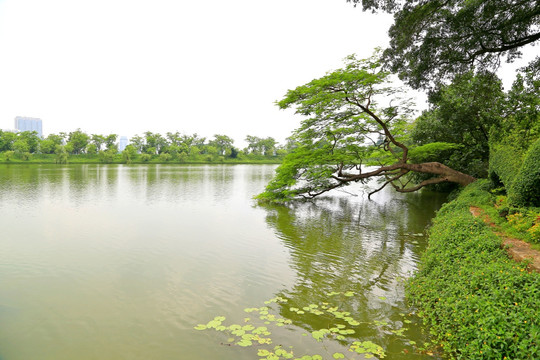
121	262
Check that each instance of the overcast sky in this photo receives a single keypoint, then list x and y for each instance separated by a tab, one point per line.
207	67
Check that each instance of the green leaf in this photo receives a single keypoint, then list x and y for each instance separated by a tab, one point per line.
200	327
263	352
338	355
244	343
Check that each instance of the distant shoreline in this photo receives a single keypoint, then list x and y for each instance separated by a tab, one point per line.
118	159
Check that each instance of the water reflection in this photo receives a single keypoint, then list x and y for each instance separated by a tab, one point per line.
342	243
107	261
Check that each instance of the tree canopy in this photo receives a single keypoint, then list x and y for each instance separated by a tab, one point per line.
463	112
432	40
354	118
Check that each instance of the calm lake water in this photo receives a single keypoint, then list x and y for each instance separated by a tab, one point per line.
121	262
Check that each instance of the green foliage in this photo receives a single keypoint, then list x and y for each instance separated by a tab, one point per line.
175	147
91	149
431	40
165	157
47	146
129	154
260	146
8	155
526	222
31	139
341	130
477	303
463	112
6	140
25	156
20	146
525	189
77	141
504	163
432	151
521	125
61	154
340	328
145	157
222	143
106	156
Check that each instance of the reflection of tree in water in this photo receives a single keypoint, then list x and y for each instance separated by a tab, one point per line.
343	244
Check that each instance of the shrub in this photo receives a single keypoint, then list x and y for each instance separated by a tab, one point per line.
8	155
145	157
525	189
504	164
106	156
478	303
165	157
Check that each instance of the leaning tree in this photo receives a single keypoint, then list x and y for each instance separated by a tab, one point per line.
354	120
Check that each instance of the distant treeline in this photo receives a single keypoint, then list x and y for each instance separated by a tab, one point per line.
149	147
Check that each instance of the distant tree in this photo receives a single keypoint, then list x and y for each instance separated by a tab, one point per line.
78	141
47	146
151	151
110	142
194	152
107	156
91	149
8	154
61	154
7	138
98	141
182	156
56	139
32	140
68	147
174	138
137	142
129	154
165	157
194	140
269	146
234	153
145	157
20	146
261	146
254	145
222	143
154	140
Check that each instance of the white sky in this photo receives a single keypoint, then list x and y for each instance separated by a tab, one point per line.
207	67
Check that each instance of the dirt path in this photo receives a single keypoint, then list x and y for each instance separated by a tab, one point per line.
517	249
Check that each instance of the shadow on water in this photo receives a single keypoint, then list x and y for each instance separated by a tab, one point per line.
341	244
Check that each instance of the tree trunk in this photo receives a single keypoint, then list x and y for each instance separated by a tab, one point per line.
442	170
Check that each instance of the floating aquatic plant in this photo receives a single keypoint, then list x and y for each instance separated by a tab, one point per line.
341	328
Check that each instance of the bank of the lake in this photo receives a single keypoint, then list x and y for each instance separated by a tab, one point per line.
138	159
477	303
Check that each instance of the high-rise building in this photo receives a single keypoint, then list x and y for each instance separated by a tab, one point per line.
23	123
123	143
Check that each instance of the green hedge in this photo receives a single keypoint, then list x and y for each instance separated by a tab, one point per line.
477	303
504	164
525	189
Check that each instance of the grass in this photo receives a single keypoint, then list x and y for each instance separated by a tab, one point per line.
476	302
